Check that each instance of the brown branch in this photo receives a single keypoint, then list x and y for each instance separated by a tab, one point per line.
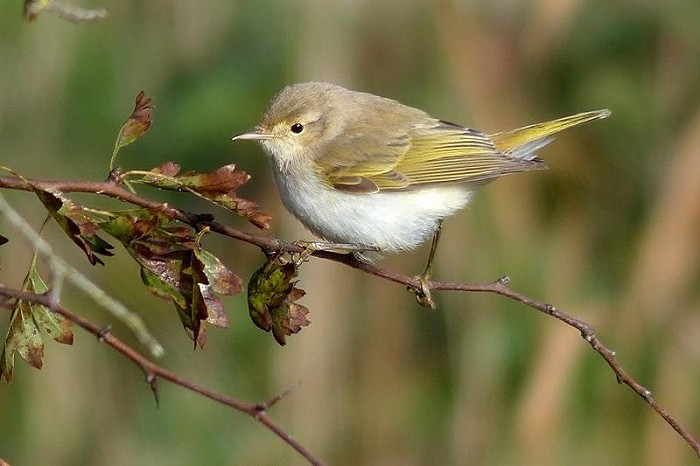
500	287
270	245
112	189
153	371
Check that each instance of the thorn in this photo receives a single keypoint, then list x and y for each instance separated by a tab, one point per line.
116	176
152	381
588	333
104	331
269	403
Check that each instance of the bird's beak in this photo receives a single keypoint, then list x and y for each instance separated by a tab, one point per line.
255	134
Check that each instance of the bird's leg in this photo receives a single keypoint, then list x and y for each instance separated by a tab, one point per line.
424	296
345	247
312	246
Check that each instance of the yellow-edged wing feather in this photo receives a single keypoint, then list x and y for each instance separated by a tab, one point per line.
513	142
405	157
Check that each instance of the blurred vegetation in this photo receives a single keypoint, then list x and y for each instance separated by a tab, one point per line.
609	233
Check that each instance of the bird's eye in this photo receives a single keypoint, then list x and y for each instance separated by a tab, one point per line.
297	128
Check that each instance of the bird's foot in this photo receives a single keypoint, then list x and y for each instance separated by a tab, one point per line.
312	246
423	295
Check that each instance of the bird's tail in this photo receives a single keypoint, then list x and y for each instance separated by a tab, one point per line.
523	143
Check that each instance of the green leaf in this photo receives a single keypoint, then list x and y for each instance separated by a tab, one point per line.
27	321
272	296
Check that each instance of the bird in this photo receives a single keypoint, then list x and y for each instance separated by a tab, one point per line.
368	171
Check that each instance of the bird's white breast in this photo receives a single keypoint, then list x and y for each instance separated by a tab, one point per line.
390	221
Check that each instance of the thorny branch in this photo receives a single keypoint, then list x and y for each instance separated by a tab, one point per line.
270	245
153	371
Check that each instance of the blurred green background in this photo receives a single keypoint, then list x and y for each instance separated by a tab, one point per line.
609	234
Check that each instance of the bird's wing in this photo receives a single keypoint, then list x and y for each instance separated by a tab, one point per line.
434	153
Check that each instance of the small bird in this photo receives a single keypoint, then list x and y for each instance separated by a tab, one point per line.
365	170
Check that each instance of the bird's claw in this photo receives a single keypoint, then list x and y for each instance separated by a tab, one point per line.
423	295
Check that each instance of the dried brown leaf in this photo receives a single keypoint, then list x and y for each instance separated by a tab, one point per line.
169	169
218	186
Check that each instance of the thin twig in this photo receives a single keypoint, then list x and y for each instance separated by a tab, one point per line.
154	372
500	287
270	402
269	245
61	270
69	12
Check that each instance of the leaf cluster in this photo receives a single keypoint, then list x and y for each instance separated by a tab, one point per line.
172	261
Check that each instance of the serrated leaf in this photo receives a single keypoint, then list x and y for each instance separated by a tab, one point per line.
290	317
162	288
243	207
175	267
54	325
128	226
272	296
77	224
221	279
26	323
218	186
137	124
165	274
167	169
222	180
215	310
